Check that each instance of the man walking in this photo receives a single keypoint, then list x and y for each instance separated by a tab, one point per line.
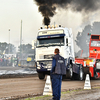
58	69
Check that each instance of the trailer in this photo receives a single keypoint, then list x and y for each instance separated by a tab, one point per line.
91	64
49	38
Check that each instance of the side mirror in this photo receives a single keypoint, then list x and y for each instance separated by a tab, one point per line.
69	41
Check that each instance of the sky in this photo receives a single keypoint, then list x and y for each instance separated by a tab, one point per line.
11	14
13	11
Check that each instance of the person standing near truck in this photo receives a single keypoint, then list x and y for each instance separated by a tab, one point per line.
58	69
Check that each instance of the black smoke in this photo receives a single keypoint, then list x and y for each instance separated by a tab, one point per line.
48	7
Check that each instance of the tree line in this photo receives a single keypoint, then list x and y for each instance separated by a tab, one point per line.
6	48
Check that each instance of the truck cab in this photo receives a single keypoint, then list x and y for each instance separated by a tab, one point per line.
47	40
94	47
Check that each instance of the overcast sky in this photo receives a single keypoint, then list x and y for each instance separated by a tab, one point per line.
11	14
13	11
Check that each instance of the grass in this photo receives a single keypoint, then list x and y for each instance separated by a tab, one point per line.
62	94
46	97
39	98
98	87
70	91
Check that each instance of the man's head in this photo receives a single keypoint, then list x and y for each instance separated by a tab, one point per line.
56	51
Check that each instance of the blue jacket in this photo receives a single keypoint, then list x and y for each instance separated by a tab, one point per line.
53	65
58	65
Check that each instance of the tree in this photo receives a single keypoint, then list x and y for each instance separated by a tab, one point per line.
26	48
4	48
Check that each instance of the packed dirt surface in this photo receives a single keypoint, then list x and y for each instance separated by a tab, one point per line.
20	86
30	86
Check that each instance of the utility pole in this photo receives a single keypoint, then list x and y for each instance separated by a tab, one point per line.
9	41
54	24
21	41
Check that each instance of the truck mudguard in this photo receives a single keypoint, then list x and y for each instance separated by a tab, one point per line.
76	68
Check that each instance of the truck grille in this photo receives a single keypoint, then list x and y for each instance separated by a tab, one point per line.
45	63
48	56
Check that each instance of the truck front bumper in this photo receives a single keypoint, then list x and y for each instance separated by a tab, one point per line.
44	70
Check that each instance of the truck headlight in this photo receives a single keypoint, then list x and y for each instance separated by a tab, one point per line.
38	64
38	67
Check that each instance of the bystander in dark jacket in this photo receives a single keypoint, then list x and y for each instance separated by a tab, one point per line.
58	69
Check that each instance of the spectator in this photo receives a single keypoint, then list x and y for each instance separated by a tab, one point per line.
58	69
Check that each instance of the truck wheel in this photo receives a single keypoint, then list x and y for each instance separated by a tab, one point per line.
69	74
71	71
81	73
63	77
95	74
41	76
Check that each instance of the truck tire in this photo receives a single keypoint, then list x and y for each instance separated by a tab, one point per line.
95	74
63	77
69	73
41	76
81	73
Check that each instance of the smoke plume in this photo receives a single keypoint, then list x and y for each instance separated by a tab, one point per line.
48	7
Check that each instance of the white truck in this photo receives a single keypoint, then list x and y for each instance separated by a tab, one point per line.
47	40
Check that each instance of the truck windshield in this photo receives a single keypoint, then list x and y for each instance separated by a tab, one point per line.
95	43
50	42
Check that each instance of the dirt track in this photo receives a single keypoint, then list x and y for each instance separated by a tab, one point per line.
20	86
32	85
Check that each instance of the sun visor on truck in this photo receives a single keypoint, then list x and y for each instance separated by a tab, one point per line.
51	36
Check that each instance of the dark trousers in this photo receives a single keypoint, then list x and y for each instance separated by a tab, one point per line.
56	81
